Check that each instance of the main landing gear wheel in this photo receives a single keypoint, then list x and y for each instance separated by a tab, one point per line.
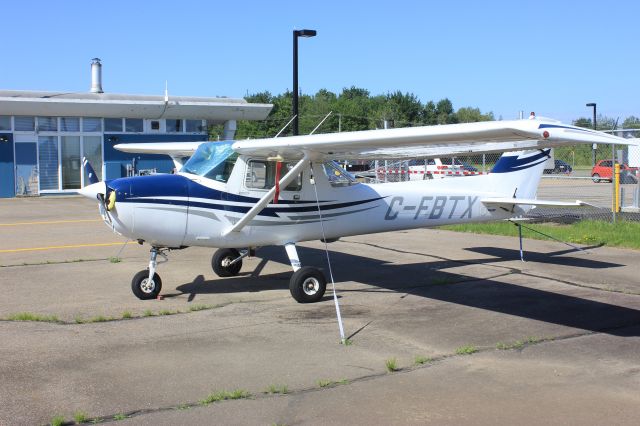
142	288
307	285
221	262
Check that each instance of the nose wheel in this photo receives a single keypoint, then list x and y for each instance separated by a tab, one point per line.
143	287
147	284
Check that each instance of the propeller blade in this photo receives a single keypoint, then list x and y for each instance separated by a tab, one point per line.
93	178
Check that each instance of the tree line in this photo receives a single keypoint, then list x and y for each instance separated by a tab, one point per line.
353	109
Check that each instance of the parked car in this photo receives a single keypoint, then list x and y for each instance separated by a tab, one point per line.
602	172
559	167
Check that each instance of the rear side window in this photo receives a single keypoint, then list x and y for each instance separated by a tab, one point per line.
261	174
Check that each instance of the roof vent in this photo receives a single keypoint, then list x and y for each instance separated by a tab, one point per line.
96	76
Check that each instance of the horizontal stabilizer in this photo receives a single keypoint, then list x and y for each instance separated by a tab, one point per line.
510	202
173	149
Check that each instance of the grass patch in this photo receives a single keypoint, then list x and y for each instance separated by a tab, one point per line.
325	383
80	417
127	315
225	395
119	416
114	259
281	389
98	318
28	316
420	360
57	421
183	407
466	350
148	313
195	308
519	344
392	365
591	232
347	342
166	312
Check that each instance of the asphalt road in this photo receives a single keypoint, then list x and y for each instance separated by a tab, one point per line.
556	339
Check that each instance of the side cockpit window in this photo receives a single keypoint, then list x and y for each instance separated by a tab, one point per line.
337	175
261	174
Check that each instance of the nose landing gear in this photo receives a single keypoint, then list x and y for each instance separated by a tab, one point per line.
147	284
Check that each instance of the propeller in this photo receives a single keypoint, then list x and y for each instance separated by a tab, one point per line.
97	190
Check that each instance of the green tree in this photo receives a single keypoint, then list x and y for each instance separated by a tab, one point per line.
471	115
444	112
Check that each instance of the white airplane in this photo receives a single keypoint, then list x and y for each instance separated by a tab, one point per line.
240	195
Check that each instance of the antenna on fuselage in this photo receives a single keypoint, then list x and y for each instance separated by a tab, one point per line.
320	124
285	126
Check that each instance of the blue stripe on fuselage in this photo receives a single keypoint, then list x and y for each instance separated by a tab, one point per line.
149	189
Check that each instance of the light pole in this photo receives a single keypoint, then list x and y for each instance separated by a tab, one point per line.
296	34
595	127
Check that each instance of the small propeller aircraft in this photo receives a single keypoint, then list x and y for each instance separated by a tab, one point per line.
240	195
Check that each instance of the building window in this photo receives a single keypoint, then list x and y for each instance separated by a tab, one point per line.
194	126
47	124
48	159
24	123
112	125
69	124
155	125
91	124
174	126
71	161
5	122
133	125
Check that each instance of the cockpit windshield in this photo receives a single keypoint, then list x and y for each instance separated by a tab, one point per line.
213	160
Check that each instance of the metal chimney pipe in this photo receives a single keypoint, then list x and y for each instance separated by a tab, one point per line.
96	76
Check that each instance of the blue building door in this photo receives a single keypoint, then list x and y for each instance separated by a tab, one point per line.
26	168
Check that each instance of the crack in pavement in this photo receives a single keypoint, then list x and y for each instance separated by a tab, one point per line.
375	376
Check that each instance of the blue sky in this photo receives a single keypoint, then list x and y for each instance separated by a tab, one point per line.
501	56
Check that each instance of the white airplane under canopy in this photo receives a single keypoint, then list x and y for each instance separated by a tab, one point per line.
240	195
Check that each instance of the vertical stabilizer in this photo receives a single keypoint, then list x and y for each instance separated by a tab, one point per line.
517	174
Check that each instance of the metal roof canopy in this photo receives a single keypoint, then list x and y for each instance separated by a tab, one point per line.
111	105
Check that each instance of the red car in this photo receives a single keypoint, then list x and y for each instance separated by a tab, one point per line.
602	171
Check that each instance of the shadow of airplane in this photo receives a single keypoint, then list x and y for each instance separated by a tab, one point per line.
426	279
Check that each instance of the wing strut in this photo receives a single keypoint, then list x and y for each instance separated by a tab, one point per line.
268	197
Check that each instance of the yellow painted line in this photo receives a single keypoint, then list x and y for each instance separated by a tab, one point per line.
66	247
51	222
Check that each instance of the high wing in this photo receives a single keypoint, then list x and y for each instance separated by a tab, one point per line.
427	141
408	142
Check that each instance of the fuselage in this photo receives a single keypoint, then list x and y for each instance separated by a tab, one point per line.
190	210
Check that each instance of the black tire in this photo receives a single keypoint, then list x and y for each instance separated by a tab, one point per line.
307	285
141	287
595	177
222	257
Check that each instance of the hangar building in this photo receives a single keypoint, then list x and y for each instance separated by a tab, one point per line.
44	135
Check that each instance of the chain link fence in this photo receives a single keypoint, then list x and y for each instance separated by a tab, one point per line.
572	173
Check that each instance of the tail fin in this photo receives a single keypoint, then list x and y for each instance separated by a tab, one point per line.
93	178
517	174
